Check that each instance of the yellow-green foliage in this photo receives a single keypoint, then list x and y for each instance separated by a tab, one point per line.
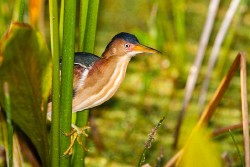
200	150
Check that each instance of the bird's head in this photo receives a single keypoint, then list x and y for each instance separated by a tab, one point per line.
126	45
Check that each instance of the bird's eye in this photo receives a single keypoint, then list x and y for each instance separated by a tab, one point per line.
127	45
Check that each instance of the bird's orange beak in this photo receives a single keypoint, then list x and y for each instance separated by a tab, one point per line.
144	49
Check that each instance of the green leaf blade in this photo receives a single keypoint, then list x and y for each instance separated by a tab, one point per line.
25	63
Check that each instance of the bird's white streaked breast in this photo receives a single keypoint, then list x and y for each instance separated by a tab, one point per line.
108	90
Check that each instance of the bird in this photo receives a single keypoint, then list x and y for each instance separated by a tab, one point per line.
96	79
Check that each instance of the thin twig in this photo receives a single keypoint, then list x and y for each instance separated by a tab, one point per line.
222	130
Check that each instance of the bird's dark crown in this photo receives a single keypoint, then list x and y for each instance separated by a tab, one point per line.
125	36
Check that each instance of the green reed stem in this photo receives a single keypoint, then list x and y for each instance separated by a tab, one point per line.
78	159
55	124
18	11
90	32
88	24
67	77
61	25
179	23
21	13
82	22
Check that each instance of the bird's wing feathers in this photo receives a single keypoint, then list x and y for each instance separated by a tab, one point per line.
82	61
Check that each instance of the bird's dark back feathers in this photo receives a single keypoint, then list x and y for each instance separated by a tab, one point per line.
85	59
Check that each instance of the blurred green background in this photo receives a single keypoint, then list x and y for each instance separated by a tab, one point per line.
154	85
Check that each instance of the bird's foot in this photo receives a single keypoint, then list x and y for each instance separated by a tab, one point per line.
76	134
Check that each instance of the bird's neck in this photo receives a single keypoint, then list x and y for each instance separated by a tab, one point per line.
113	65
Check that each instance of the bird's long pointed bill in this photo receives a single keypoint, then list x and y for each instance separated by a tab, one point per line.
145	49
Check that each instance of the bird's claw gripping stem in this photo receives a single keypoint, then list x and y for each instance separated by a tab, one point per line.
76	133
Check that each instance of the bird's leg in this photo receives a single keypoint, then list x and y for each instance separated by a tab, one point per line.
76	133
69	149
79	140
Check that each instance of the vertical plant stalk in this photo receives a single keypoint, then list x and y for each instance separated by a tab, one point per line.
216	48
18	12
21	13
229	39
245	119
179	23
55	124
78	159
67	77
9	124
61	25
86	44
194	71
90	32
82	22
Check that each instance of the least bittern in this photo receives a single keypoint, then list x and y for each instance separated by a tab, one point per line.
96	79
